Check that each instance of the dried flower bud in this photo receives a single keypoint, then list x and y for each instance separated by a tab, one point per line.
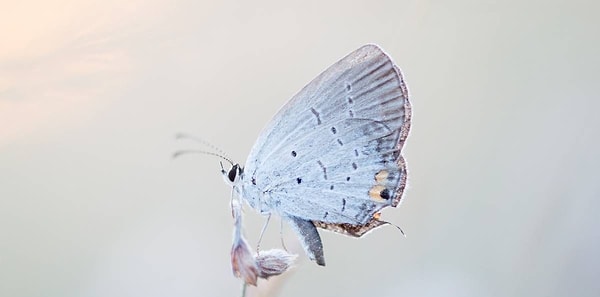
264	265
242	262
274	262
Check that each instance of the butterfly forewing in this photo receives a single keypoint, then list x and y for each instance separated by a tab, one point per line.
332	153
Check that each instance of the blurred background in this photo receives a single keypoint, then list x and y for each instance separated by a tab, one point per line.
504	189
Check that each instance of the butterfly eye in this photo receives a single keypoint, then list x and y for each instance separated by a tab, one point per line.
232	174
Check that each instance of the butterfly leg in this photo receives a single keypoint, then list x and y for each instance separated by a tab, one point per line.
281	235
262	232
309	236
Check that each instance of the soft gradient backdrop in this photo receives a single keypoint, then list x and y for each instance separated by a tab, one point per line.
504	185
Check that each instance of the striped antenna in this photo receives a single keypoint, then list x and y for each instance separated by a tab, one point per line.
218	152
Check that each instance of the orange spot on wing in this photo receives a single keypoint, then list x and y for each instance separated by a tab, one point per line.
375	192
377	215
381	176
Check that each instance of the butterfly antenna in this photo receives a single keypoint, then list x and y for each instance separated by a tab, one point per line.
201	141
187	152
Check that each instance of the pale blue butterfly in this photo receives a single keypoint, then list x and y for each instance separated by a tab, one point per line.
331	157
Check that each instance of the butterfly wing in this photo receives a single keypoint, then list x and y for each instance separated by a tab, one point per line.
332	154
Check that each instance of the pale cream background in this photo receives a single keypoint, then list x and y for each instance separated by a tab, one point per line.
503	155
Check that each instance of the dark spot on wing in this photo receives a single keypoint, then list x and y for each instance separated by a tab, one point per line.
385	194
254	180
299	180
343	204
333	130
324	169
379	146
348	87
316	115
331	187
350	100
365	210
351	113
347	178
354	166
340	142
326	213
294	154
391	177
361	211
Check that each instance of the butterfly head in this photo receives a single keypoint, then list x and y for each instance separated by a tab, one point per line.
233	175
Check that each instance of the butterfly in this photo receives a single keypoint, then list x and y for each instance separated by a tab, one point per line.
331	157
